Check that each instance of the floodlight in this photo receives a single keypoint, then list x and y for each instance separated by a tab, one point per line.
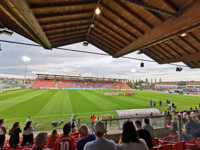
97	11
184	34
132	70
26	59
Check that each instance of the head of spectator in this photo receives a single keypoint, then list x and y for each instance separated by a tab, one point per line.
146	121
138	124
189	118
28	125
99	129
54	132
41	140
29	117
83	129
129	133
67	128
14	128
1	122
198	118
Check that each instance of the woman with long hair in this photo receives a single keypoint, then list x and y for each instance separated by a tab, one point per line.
129	139
14	135
28	134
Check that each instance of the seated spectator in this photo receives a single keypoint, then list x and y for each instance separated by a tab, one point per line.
28	134
100	143
66	141
85	137
52	139
191	127
144	134
14	135
75	133
148	127
40	141
184	114
130	140
2	134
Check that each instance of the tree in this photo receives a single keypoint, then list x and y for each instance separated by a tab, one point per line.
130	84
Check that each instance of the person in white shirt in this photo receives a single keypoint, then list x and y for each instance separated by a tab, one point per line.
130	140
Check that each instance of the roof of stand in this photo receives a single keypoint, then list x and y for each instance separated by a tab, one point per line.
123	26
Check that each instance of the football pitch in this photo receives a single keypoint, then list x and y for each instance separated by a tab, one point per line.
52	104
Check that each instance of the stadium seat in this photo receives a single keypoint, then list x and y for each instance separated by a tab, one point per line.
165	147
155	142
178	146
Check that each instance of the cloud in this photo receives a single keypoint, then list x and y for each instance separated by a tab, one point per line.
82	63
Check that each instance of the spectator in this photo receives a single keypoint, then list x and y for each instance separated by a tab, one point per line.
52	139
2	134
198	142
192	127
192	113
130	140
169	106
85	137
14	135
100	143
28	134
148	127
40	141
66	141
144	134
198	118
184	114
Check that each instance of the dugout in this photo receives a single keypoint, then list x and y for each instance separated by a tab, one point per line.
155	116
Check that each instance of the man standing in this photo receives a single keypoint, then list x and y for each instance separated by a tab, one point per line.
28	119
169	106
85	137
65	142
148	127
154	104
151	103
144	134
160	103
100	143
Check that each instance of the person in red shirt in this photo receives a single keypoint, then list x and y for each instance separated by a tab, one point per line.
66	142
52	139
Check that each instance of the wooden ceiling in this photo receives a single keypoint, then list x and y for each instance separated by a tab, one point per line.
153	27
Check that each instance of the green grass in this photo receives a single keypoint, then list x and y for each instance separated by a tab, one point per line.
48	105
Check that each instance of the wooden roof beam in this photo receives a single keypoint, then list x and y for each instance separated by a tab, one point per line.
63	14
130	11
181	47
152	56
118	26
109	44
121	18
166	51
170	47
111	31
171	5
161	52
189	20
66	4
51	22
99	45
109	37
188	43
151	51
71	30
193	37
68	38
155	9
71	41
20	12
184	58
64	27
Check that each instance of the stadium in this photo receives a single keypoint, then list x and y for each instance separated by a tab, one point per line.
79	80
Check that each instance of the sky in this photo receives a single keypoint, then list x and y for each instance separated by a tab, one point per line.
61	61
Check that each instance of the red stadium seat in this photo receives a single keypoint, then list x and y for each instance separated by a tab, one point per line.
155	142
165	147
178	146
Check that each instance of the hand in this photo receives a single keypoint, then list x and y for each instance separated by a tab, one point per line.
120	140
